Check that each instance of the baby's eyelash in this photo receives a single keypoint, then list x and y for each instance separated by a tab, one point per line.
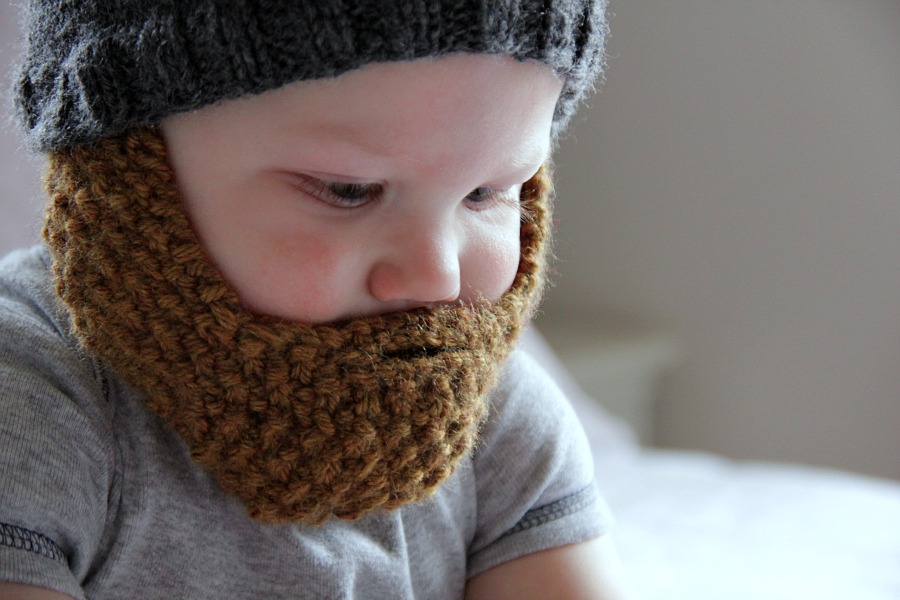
354	195
339	194
485	197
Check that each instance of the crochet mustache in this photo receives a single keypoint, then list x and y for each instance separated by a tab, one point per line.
300	422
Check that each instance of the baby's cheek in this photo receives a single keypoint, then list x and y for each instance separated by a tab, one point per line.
297	279
492	268
304	252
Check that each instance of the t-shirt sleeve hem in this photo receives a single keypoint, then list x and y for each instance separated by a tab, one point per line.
18	565
577	518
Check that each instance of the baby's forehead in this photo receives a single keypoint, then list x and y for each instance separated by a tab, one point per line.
373	122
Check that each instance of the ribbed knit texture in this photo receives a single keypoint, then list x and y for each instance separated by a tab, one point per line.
96	68
300	422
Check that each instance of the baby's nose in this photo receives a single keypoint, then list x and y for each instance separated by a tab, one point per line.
422	267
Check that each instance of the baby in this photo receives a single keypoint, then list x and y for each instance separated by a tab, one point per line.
268	347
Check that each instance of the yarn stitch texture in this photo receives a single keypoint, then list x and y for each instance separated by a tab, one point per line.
94	68
300	422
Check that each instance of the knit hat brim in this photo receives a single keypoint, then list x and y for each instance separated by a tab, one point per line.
91	71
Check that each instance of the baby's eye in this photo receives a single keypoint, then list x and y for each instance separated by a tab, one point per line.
484	197
352	192
481	194
339	194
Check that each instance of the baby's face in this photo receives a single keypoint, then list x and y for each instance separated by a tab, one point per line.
391	187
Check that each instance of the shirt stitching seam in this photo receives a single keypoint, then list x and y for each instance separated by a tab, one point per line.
555	510
20	538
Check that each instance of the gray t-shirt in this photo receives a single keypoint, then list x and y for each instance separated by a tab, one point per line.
99	499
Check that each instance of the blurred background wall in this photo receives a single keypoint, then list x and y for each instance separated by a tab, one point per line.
20	199
737	180
737	183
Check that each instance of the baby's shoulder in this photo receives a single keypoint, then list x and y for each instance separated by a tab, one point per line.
529	416
36	348
48	383
526	392
29	305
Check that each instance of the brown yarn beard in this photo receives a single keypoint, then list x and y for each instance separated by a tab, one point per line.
300	422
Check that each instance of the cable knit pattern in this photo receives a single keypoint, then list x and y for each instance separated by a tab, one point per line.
300	422
94	68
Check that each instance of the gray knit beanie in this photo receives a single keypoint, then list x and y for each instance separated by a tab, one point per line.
95	68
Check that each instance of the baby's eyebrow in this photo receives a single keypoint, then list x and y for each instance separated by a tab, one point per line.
362	149
320	150
524	166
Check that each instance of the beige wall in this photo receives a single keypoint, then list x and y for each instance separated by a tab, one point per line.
738	180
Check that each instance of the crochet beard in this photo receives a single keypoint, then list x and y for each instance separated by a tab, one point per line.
300	422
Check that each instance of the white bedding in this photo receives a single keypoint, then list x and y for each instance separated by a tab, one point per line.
697	527
694	526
